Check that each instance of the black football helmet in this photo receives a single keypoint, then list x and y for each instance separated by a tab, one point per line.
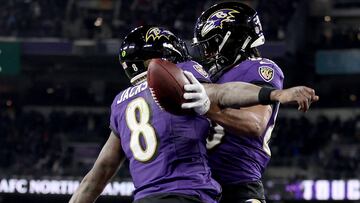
227	33
148	42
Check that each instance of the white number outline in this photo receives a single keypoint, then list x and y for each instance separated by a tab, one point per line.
219	134
134	67
139	128
217	137
268	134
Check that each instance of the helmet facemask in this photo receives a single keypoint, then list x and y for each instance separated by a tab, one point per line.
208	50
220	53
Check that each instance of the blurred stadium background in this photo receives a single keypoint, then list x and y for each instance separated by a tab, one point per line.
59	72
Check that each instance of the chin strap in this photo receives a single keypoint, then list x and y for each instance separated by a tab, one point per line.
216	70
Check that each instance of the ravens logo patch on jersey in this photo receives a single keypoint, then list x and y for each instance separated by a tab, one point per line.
200	70
266	73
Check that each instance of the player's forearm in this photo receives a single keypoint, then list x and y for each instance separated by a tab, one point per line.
108	162
233	94
89	190
243	122
95	181
237	124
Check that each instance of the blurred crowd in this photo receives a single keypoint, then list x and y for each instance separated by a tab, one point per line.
34	144
59	143
103	19
114	18
27	18
328	147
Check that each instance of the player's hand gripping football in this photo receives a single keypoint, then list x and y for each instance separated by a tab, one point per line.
301	95
195	95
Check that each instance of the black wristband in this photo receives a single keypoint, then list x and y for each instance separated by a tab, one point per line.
264	95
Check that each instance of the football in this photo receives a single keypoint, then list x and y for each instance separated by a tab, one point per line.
166	82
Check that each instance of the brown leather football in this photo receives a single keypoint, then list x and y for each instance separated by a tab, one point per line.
166	82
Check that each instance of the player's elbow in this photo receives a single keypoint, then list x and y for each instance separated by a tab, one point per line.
250	129
256	129
256	125
260	124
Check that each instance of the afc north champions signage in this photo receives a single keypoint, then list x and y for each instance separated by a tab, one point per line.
275	189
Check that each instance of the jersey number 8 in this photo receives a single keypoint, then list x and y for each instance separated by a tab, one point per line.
140	127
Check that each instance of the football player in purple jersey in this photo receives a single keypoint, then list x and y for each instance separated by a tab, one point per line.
167	153
227	35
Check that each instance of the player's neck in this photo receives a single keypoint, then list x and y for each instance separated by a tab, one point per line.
139	78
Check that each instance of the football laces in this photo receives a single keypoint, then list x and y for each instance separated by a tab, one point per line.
155	98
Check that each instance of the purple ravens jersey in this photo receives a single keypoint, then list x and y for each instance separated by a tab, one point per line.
167	153
234	158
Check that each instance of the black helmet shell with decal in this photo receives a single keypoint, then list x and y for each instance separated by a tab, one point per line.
227	32
148	42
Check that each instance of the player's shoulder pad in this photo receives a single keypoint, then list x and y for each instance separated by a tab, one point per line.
264	71
117	99
129	93
114	114
196	69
